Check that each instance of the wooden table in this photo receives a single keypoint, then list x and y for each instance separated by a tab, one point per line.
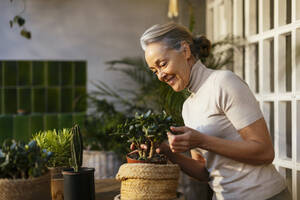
107	189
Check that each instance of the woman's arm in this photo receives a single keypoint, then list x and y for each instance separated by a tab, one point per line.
194	167
256	147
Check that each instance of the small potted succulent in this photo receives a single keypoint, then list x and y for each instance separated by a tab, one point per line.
59	143
146	131
154	178
23	171
78	180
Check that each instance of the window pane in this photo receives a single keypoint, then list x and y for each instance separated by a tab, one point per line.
268	69
285	63
285	130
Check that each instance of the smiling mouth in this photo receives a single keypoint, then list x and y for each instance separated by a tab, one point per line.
171	80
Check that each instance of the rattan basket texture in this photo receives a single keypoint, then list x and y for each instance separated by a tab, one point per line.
148	181
26	189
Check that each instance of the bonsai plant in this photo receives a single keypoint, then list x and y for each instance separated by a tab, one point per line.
146	129
57	142
154	179
78	180
23	171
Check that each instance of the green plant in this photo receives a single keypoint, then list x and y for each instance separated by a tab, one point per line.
76	149
101	120
20	160
57	142
20	21
148	129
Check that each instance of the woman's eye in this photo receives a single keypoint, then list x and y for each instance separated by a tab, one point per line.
154	72
163	64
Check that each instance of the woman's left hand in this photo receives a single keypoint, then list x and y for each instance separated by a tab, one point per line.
188	139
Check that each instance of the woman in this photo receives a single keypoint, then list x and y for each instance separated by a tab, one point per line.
224	127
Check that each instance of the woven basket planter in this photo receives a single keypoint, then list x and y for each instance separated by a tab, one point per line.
148	181
26	189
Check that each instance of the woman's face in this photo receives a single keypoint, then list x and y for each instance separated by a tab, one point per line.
170	66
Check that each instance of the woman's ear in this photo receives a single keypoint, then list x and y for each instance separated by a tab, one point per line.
186	50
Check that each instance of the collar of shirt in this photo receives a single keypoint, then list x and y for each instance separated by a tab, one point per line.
199	73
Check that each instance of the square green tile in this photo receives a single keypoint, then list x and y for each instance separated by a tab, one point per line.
24	98
21	128
80	73
10	73
36	123
66	100
65	121
6	127
53	73
51	121
38	100
9	101
1	90
80	99
67	73
79	118
38	73
1	74
53	100
24	73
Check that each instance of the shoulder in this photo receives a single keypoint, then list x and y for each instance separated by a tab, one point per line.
225	79
226	76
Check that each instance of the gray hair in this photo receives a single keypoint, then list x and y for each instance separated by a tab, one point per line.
172	34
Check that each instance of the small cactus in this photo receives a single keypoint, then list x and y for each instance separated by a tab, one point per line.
76	148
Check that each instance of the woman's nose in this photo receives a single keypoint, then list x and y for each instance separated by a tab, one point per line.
161	75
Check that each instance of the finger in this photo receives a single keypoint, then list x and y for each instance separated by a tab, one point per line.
179	129
182	137
179	150
143	146
170	136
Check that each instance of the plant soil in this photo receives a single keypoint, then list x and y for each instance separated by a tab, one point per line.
157	158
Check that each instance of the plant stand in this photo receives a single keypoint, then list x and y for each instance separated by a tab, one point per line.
148	181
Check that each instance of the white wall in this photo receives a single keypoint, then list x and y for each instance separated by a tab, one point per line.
92	30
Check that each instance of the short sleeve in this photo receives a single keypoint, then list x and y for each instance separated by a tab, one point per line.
236	100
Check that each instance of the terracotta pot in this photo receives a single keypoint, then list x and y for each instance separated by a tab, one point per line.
57	183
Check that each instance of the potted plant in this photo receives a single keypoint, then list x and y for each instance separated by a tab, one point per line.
148	130
154	178
23	171
57	142
78	180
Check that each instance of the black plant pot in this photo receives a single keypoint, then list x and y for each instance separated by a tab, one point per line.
79	185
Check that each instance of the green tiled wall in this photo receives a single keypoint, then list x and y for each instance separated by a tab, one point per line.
40	95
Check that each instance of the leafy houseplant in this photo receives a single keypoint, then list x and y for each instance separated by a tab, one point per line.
23	171
58	142
78	180
146	129
153	178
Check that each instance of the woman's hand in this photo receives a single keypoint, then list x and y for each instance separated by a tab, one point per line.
188	139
